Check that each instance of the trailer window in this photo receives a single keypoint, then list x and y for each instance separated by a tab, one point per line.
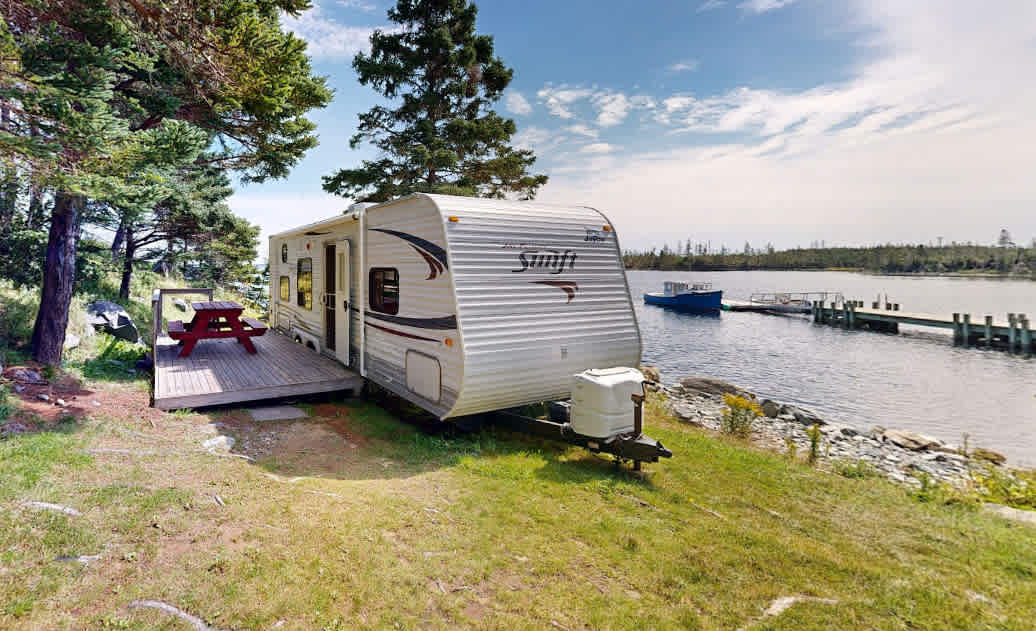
285	289
304	283
384	290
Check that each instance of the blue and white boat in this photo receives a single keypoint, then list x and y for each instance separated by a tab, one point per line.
691	297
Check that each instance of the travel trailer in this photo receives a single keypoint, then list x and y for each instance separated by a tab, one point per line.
460	305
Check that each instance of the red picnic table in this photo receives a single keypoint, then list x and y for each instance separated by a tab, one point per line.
215	320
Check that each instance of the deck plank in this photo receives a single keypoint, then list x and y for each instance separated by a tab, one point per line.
220	372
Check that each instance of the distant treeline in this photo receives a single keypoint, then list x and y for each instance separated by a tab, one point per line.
886	259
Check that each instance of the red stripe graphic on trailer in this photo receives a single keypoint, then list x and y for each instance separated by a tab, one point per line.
401	333
570	287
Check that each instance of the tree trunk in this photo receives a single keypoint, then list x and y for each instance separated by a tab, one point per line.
127	266
119	239
48	335
9	194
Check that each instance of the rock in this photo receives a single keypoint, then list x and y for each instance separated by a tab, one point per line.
19	388
43	397
786	417
684	412
802	415
978	453
651	373
180	304
145	364
71	341
770	408
910	440
221	443
849	431
277	413
707	385
112	319
96	404
61	402
12	429
878	433
26	375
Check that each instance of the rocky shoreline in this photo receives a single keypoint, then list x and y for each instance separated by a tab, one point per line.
901	456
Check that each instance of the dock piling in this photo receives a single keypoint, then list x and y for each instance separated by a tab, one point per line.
966	333
1012	332
1026	335
989	331
958	332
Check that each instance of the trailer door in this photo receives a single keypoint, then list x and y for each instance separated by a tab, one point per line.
342	286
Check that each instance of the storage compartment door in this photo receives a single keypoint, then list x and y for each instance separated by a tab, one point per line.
423	375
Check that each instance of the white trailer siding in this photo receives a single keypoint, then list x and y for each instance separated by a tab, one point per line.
541	294
407	235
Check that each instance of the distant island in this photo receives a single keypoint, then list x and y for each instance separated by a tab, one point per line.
886	259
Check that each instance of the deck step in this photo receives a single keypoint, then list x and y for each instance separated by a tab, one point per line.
176	326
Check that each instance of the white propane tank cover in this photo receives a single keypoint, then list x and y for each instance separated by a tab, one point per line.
602	402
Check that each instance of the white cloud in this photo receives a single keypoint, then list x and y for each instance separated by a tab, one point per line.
689	65
326	38
559	99
583	130
277	212
598	148
359	5
516	103
538	139
762	6
932	132
612	108
710	5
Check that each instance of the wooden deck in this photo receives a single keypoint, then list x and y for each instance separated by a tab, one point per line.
220	372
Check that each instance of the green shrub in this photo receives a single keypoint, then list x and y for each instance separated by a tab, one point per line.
739	415
1004	486
6	407
814	443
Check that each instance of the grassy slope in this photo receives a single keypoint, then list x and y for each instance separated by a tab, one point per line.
392	527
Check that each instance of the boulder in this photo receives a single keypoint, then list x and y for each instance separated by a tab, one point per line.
71	341
145	364
651	373
684	412
978	453
910	440
11	429
25	375
708	385
180	304
112	319
220	443
770	408
802	415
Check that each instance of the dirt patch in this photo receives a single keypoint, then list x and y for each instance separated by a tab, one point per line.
119	401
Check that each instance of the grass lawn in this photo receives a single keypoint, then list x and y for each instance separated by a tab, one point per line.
353	519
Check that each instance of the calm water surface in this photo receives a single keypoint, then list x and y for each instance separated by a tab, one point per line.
916	380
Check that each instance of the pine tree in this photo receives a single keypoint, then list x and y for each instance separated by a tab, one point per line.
440	133
87	75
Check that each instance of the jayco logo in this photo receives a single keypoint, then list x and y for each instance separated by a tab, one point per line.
594	236
551	261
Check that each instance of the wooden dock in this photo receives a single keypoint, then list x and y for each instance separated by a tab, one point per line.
220	372
1012	334
781	301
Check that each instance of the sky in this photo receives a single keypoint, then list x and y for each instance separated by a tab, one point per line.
852	122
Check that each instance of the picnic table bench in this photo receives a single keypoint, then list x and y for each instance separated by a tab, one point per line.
215	320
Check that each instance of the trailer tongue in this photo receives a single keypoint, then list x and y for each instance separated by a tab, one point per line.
605	416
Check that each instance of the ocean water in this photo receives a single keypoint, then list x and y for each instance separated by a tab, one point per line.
917	380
